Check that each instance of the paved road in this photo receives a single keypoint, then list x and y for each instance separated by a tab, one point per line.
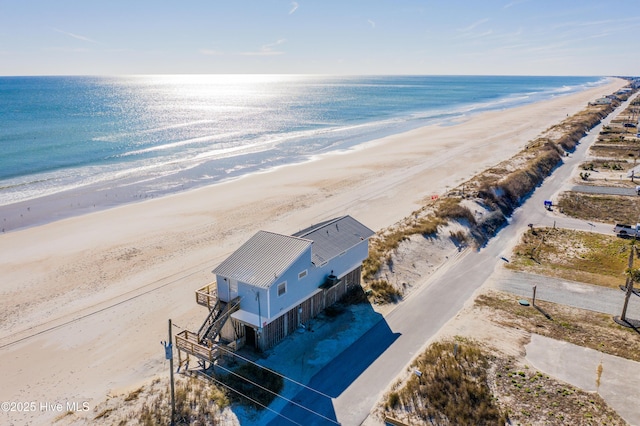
357	378
551	219
606	190
570	293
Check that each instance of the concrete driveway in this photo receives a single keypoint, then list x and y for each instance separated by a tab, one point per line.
578	366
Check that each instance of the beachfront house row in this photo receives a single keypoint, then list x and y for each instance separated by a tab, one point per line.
601	101
274	284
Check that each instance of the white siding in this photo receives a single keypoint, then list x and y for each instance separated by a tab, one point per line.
300	290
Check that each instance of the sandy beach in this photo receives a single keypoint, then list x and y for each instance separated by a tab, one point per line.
85	300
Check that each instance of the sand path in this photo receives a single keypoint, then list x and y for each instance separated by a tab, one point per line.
84	301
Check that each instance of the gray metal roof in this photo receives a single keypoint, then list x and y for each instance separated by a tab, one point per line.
334	236
263	258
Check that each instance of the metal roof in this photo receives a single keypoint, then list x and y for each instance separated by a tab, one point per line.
263	258
333	237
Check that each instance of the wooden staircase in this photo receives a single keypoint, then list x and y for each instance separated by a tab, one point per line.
218	315
204	343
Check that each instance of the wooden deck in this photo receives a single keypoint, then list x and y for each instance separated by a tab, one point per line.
207	295
187	341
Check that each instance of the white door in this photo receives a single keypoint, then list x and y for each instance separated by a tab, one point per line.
233	289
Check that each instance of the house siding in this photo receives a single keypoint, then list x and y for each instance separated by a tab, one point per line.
279	328
297	289
265	317
288	322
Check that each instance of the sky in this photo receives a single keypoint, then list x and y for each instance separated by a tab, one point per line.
472	37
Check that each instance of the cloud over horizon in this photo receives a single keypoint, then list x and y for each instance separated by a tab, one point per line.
76	36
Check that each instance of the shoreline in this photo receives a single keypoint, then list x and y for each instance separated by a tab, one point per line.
96	197
171	244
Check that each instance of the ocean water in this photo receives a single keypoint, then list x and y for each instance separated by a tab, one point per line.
72	144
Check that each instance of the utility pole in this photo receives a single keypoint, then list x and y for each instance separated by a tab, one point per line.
630	279
533	303
168	354
623	316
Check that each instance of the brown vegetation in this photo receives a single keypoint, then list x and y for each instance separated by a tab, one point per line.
259	384
461	383
383	292
572	255
601	208
382	245
452	388
617	143
578	326
500	189
197	402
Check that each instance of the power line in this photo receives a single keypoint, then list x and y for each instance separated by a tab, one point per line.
274	372
248	397
279	395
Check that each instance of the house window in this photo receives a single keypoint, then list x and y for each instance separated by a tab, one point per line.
282	288
302	274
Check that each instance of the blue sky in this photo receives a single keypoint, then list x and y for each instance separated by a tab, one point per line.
530	37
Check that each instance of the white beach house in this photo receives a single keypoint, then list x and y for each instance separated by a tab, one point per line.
274	284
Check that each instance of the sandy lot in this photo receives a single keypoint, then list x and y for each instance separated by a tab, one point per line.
85	301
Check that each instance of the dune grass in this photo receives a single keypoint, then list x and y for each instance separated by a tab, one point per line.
462	383
578	326
573	255
600	208
501	188
452	388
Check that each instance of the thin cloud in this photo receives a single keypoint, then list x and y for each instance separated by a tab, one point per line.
611	23
484	34
267	49
294	7
210	52
513	3
373	24
76	36
70	49
474	25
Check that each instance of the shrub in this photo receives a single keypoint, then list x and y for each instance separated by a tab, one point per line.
452	389
383	292
243	378
450	208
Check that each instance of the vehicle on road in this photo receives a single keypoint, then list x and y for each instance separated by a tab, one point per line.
627	230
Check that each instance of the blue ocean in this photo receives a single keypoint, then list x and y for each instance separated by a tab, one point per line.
76	144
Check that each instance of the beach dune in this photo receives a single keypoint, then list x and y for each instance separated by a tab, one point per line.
85	301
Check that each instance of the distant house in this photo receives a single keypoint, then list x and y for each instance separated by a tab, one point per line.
274	284
601	101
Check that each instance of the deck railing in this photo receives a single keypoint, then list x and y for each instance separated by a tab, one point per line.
207	295
188	341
